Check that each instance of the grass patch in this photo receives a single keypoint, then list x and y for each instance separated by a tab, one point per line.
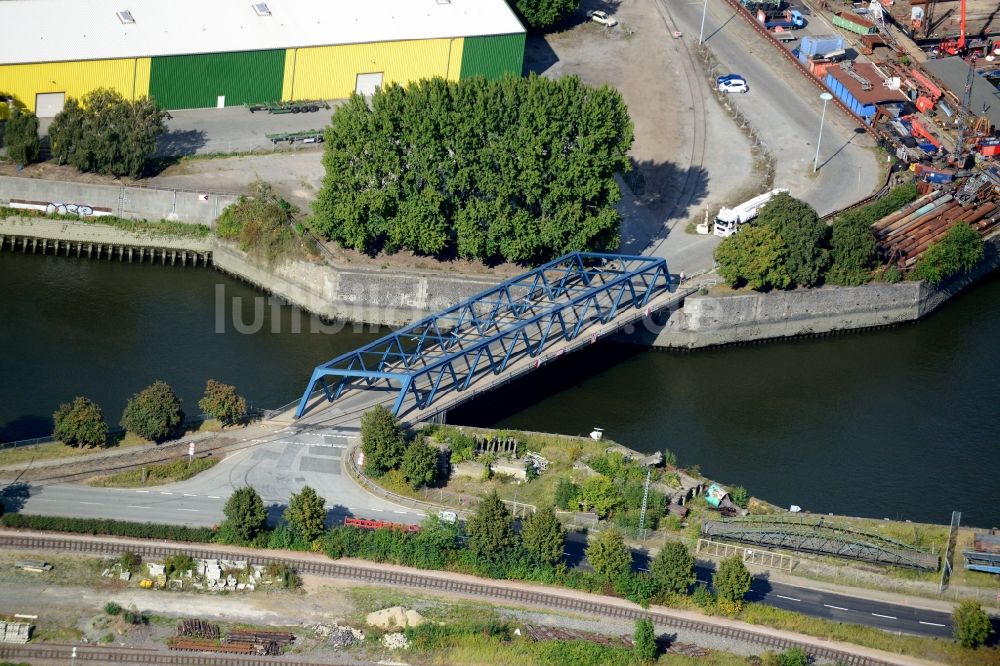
943	651
53	450
157	475
170	228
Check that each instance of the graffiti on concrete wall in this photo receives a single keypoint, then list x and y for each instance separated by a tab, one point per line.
54	208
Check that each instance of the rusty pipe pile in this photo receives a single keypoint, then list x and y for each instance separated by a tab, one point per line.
906	234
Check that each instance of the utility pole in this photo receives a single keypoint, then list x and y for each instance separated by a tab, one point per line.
645	498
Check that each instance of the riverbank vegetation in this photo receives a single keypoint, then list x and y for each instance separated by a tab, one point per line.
154	413
261	224
80	424
957	253
517	169
21	137
789	246
143	228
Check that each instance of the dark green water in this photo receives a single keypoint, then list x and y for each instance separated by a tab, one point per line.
897	423
106	330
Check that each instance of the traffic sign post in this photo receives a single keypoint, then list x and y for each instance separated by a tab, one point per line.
190	453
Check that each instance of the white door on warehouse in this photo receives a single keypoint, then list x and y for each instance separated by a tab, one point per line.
220	103
368	83
48	105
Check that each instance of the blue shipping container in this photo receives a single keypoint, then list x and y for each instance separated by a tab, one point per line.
813	44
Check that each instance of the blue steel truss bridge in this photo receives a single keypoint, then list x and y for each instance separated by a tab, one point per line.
436	363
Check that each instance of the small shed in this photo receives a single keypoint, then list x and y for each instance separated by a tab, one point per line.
716	496
861	86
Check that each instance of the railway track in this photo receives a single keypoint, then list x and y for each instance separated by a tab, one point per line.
85	654
395	578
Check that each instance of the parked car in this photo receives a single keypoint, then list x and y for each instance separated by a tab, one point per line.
448	516
729	77
598	16
734	86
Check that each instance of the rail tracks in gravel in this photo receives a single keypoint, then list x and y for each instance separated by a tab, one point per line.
395	578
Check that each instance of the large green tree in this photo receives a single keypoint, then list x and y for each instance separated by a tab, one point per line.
154	413
382	440
804	235
673	568
609	555
958	252
972	624
519	169
541	14
223	403
306	513
757	256
245	514
21	137
80	424
543	536
420	464
105	133
491	530
599	494
732	580
853	249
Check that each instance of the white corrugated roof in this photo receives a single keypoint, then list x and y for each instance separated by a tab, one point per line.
58	30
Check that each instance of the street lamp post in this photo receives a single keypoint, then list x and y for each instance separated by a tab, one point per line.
704	10
826	97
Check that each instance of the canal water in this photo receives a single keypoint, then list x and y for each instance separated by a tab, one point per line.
897	423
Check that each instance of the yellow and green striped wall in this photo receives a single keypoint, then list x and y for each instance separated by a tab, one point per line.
245	77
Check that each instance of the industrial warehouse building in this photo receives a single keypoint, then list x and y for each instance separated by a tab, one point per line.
189	54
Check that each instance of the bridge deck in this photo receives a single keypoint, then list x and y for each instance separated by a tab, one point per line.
346	411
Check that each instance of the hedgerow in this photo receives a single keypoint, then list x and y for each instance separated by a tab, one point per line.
107	527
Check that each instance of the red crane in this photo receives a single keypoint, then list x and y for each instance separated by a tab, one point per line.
956	46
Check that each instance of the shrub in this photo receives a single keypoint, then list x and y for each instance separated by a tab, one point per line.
21	137
892	274
80	424
972	624
644	641
222	402
542	14
177	564
703	596
795	656
154	413
566	494
739	496
129	561
108	527
260	223
105	133
463	447
958	252
111	608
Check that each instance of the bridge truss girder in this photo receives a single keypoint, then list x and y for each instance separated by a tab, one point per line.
486	333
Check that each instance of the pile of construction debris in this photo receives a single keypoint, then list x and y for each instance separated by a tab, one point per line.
197	635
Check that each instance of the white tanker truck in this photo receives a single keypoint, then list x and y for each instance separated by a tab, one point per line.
728	220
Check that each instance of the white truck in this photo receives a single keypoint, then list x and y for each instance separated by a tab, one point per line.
728	221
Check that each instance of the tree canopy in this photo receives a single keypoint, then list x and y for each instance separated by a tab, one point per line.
491	530
517	169
673	568
222	402
958	252
80	424
306	513
609	555
106	133
154	413
644	641
382	440
420	464
542	14
245	514
805	237
756	256
543	536
732	580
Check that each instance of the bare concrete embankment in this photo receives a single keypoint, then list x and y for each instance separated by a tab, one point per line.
711	320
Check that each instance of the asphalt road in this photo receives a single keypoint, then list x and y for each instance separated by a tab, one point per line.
785	109
895	618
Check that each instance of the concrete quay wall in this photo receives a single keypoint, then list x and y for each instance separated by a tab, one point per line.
711	320
125	201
